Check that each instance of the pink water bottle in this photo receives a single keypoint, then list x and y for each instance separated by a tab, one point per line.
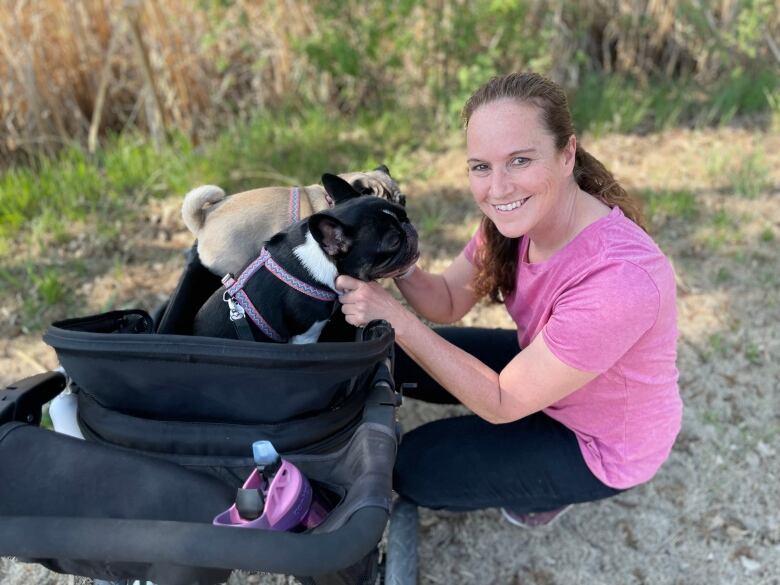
275	496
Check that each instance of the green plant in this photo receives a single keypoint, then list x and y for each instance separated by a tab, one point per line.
743	91
717	344
723	275
723	220
713	418
661	204
47	285
753	353
603	104
432	216
773	101
721	230
717	164
751	176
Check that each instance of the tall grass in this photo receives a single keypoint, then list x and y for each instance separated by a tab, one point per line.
69	69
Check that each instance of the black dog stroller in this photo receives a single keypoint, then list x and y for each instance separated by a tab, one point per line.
169	421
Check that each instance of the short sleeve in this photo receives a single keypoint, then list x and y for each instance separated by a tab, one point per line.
597	320
470	251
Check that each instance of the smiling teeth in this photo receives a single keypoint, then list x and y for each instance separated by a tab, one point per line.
511	206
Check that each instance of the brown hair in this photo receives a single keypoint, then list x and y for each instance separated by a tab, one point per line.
497	257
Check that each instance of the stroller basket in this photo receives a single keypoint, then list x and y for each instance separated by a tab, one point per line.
64	506
169	420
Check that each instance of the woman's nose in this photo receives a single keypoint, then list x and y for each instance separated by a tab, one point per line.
499	183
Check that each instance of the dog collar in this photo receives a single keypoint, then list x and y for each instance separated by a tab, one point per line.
235	294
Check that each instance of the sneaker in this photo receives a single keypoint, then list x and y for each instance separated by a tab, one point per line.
533	519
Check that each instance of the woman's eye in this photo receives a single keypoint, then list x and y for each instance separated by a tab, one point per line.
479	168
519	161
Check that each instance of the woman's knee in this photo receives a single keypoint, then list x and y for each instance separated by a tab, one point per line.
408	474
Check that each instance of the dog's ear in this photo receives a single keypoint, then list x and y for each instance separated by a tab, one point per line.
338	188
384	169
330	234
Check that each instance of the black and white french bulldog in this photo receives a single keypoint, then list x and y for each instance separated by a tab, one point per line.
288	294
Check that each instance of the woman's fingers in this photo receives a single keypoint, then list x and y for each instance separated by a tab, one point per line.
362	302
352	315
346	283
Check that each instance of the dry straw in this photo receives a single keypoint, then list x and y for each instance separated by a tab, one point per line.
74	70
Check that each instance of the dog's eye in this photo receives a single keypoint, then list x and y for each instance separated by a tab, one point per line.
392	241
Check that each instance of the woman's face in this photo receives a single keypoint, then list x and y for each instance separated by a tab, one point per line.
517	176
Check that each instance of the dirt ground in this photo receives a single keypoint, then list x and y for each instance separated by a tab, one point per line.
711	515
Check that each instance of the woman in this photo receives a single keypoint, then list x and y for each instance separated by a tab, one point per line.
590	406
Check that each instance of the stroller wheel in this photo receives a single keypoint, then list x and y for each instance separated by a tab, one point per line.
401	561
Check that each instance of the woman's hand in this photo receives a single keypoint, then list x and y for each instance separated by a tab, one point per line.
362	302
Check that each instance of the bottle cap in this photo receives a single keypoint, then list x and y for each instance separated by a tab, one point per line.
264	453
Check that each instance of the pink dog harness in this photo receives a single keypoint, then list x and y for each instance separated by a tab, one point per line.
240	304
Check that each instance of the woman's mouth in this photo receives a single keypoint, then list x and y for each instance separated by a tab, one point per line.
506	207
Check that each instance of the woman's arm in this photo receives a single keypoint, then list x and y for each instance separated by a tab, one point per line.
441	298
531	381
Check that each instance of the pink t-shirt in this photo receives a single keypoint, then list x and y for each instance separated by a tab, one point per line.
606	303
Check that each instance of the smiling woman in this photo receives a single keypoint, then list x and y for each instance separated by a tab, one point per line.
590	406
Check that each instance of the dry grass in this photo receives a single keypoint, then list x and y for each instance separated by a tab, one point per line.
159	64
71	69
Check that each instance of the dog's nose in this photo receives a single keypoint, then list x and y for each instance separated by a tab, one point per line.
402	200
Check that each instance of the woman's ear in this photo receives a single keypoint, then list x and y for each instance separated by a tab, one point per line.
570	154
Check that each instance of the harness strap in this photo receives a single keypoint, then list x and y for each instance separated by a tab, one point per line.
295	205
294	210
241	306
235	294
241	325
299	285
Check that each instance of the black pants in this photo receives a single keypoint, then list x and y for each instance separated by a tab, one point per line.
466	463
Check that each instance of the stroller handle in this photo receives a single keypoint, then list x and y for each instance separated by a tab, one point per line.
177	543
22	400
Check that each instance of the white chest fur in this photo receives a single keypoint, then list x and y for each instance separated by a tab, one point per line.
310	336
316	262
